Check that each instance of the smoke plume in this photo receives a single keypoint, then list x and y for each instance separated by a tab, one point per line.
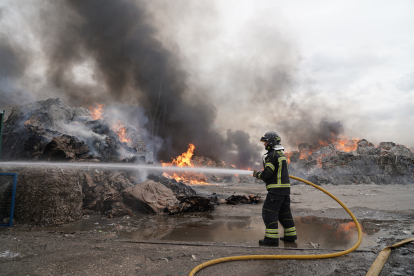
120	53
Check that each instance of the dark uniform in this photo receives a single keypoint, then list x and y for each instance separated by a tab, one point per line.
277	204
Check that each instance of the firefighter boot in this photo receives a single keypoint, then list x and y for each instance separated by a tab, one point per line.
289	239
268	243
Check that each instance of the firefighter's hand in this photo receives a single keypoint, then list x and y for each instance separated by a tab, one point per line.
255	173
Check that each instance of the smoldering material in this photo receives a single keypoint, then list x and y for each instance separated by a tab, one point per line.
135	67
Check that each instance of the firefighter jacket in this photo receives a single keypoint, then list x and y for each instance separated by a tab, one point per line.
275	173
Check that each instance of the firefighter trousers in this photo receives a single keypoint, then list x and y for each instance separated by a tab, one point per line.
277	208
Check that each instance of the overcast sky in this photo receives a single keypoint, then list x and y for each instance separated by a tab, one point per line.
353	59
264	63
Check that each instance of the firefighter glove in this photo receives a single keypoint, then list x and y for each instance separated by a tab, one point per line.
255	173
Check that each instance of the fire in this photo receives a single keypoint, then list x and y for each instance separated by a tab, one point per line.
342	143
120	130
97	111
184	160
346	144
192	178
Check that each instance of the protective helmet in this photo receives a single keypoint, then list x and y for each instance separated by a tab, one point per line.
272	138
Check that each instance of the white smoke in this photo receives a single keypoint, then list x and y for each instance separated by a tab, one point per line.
78	130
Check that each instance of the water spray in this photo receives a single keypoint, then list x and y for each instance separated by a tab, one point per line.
128	166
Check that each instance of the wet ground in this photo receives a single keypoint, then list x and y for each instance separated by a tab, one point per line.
174	245
313	232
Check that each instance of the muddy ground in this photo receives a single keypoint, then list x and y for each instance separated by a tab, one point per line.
100	246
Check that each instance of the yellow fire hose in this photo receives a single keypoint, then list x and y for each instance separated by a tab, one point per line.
379	262
278	257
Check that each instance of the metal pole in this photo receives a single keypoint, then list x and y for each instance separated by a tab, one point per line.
1	127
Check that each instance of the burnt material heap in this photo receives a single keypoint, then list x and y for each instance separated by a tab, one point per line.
50	130
388	163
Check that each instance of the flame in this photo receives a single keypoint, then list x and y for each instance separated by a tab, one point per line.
122	135
304	154
192	178
184	160
97	111
120	130
342	143
346	144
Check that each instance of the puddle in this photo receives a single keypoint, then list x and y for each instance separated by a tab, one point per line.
242	230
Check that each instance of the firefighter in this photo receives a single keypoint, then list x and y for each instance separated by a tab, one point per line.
277	204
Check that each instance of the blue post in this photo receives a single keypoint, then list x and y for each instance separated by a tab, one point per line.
13	196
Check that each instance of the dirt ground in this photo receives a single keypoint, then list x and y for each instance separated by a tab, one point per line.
29	250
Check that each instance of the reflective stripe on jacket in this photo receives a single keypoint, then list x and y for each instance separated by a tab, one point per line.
275	173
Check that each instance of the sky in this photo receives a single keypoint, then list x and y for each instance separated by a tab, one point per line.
301	68
352	59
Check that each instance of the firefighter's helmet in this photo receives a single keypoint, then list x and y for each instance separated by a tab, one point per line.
272	138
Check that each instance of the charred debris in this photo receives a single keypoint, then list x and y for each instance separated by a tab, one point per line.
49	130
362	163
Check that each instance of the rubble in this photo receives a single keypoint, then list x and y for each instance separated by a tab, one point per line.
179	189
244	199
102	191
386	164
47	196
50	130
150	196
196	204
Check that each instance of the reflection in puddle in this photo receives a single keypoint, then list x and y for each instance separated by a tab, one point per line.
328	233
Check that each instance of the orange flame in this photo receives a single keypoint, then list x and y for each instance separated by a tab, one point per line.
120	130
184	160
97	111
341	143
346	144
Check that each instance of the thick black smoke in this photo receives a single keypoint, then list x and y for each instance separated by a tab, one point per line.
300	131
136	68
12	67
245	152
132	67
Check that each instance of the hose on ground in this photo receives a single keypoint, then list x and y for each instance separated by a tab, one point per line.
279	257
379	262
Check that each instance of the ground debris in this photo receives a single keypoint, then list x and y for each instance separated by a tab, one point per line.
315	245
191	204
8	254
244	199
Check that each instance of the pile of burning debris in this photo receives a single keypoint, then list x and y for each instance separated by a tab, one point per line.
187	159
50	130
353	162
